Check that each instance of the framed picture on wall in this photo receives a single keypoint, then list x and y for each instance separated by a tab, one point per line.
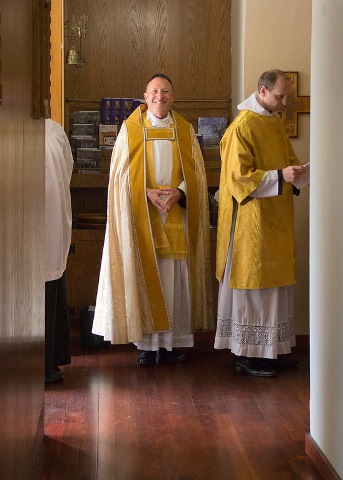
212	129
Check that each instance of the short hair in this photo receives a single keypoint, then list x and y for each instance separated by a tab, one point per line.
269	78
159	75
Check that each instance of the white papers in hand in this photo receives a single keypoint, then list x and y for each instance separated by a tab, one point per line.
304	180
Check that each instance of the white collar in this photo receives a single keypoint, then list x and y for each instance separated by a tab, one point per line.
252	104
159	122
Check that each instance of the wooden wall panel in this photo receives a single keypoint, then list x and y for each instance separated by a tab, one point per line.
128	42
83	276
22	249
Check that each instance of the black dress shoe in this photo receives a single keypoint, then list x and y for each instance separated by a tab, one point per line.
56	375
146	358
283	361
164	357
256	367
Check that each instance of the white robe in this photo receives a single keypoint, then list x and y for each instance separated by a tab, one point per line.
255	323
58	214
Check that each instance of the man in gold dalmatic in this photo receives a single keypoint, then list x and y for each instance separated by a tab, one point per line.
154	287
255	244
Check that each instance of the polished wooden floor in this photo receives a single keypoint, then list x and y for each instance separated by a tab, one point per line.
113	420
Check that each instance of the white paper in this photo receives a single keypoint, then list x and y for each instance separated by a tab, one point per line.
304	180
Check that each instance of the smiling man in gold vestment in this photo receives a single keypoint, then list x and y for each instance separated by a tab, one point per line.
154	287
255	244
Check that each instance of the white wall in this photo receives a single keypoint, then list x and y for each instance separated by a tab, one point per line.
269	34
326	234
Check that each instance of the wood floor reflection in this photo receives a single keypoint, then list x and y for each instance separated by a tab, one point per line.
113	420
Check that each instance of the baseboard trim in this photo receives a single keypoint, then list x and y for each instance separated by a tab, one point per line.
319	460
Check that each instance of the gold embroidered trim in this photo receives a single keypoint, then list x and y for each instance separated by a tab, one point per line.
153	133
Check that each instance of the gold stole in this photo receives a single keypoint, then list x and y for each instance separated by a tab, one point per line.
169	238
137	172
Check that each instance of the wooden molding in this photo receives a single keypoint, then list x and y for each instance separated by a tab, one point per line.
0	64
41	60
319	460
57	61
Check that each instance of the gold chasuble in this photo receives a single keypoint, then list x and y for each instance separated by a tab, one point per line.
130	301
263	254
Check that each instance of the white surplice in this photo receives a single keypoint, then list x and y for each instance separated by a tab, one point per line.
58	214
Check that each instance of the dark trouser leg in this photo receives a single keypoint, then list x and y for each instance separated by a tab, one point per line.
62	326
50	320
57	334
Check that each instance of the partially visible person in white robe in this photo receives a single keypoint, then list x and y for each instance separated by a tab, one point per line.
58	224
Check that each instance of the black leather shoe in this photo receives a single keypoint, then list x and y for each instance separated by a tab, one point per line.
254	366
283	361
164	357
146	358
56	375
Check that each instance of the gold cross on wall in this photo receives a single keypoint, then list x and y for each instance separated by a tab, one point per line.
295	104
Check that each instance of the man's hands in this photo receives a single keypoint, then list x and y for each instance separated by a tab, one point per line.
163	198
292	173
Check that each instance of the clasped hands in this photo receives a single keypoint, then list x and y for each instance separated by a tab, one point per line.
292	173
163	198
